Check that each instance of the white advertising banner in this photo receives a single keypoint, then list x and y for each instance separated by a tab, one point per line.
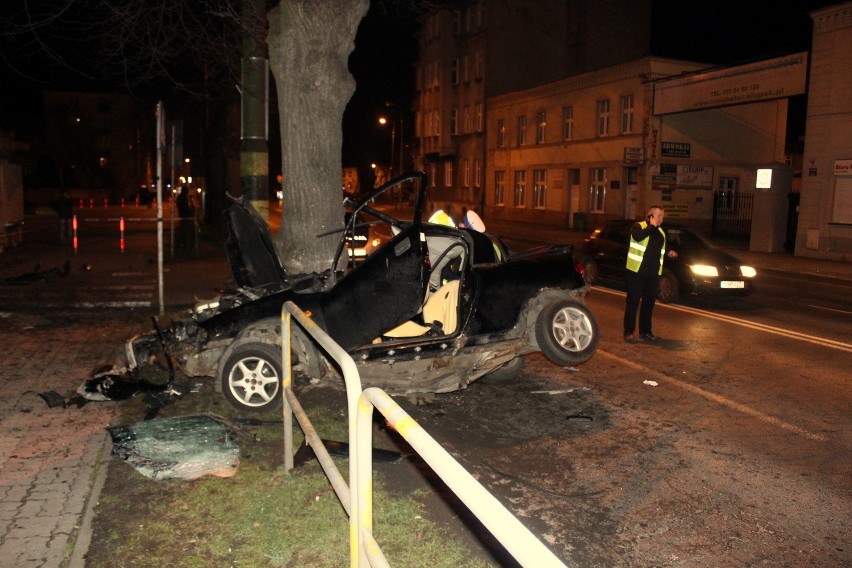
765	80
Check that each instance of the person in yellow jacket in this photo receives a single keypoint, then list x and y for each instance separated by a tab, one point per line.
644	266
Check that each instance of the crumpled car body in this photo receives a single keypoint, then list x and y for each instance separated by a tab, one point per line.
431	310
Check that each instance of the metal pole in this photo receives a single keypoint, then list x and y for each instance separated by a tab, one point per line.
161	135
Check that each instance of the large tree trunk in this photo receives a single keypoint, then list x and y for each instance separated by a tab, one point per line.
309	46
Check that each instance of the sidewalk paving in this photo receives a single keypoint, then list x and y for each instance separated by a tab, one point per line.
54	333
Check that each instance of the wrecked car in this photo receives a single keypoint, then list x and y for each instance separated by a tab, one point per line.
432	309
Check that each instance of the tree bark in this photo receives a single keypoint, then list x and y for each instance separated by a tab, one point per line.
309	46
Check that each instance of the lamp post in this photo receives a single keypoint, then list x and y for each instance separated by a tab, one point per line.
383	121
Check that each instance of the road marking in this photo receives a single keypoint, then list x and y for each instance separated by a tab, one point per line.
717	398
787	333
830	309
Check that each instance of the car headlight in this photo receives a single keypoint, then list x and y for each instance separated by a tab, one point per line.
376	242
704	270
748	271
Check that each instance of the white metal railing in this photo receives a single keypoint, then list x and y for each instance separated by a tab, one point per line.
363	549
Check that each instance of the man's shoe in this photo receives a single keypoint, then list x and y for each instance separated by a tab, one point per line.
649	337
629	337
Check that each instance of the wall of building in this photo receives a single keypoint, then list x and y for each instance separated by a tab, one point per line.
825	210
675	160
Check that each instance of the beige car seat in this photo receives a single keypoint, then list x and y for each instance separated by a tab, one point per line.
441	308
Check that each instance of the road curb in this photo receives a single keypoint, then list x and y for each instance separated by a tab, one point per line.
99	467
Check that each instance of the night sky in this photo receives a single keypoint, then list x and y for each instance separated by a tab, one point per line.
715	32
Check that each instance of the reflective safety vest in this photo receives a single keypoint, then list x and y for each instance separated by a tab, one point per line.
637	249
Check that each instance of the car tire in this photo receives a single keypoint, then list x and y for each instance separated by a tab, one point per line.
590	270
567	332
251	378
507	373
667	289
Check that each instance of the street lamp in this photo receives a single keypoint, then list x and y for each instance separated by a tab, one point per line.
383	121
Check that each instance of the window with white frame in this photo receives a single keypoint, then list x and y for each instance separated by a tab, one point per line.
501	133
466	172
627	114
466	129
477	173
479	117
539	188
448	174
597	190
454	120
603	117
540	126
454	71
499	187
522	131
520	188
568	123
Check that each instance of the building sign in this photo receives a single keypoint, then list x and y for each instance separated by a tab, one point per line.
762	81
634	155
675	149
843	167
663	176
695	177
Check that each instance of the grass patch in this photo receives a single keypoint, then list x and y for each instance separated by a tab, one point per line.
262	516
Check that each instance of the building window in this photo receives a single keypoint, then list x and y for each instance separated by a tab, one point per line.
466	68
501	133
479	117
418	128
499	187
522	131
454	71
448	174
436	123
433	175
467	129
603	117
627	114
466	173
477	173
479	63
540	126
456	22
454	120
597	190
520	188
568	123
539	188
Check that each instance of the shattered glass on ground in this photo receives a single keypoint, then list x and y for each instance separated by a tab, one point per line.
184	447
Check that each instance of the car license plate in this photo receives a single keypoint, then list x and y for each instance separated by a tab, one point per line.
733	284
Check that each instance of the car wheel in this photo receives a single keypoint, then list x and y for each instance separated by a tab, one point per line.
567	332
251	378
507	373
667	287
590	270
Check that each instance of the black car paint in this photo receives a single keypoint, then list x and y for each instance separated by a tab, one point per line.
609	243
500	300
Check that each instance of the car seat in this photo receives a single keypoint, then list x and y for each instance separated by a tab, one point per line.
440	313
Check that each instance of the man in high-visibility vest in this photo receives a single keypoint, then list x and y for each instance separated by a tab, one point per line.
644	266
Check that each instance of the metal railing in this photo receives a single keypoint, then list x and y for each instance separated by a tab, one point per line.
363	549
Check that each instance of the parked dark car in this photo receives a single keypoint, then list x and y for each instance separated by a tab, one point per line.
431	310
699	269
